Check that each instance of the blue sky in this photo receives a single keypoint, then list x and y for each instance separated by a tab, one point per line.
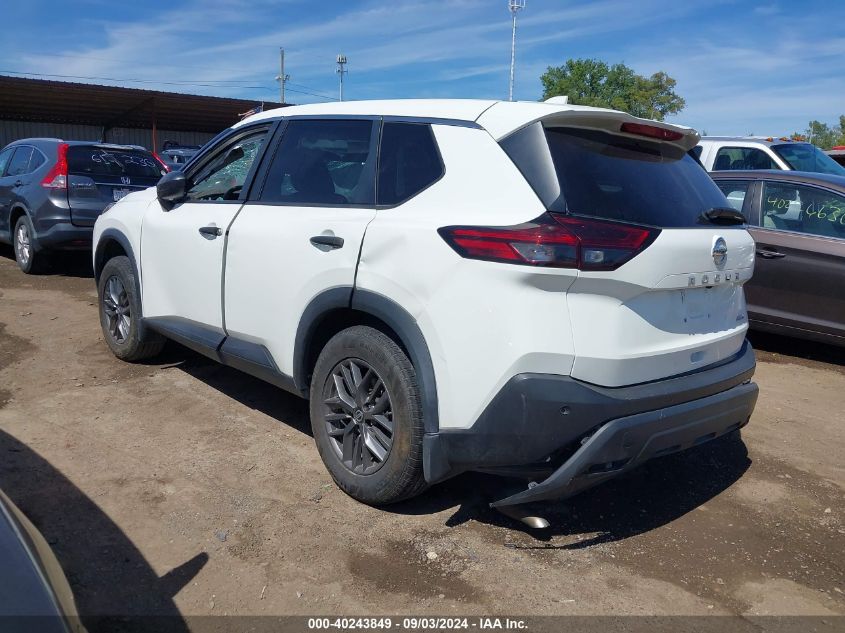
744	66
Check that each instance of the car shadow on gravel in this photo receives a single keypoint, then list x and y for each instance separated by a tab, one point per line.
647	498
62	263
251	392
114	586
775	348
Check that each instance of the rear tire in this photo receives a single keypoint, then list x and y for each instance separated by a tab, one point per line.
29	260
120	312
366	416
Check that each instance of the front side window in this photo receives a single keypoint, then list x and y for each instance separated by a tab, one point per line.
408	163
807	157
734	158
5	155
223	177
735	191
803	209
19	164
323	162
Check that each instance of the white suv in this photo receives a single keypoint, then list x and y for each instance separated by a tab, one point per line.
525	288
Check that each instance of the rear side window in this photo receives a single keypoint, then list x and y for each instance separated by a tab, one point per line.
90	160
19	164
408	163
36	160
597	174
733	158
735	191
323	163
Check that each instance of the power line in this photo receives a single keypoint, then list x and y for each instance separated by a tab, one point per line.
313	94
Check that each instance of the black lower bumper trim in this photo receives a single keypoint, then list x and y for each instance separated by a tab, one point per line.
626	442
536	418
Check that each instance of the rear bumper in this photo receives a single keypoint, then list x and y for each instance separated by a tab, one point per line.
625	443
65	236
578	434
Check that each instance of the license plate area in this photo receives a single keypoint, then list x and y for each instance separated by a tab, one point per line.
120	193
697	304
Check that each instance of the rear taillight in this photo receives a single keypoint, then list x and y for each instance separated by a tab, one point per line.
552	240
56	178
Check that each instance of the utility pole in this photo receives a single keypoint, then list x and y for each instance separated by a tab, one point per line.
341	70
514	6
282	78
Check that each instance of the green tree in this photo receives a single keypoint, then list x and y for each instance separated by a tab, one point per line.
592	82
823	135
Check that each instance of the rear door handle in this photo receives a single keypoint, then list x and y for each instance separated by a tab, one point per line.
211	231
765	254
19	183
332	241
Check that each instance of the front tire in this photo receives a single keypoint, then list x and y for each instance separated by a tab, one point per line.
120	313
29	261
366	416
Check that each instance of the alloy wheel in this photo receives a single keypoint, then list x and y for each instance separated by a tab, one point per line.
358	416
23	245
116	308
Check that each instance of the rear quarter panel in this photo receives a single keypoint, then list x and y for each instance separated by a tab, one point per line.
483	321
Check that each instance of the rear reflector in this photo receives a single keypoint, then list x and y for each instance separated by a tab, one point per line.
552	240
651	131
56	178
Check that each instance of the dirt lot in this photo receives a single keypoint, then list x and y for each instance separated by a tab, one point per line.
182	487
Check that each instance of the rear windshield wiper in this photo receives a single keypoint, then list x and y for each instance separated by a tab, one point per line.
722	215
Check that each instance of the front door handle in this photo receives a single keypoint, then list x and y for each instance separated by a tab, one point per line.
766	254
211	231
332	241
19	183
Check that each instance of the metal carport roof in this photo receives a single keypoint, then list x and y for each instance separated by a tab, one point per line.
23	99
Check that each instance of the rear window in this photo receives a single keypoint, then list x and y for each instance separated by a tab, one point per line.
85	160
593	173
806	157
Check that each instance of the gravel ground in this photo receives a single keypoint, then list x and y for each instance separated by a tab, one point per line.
181	487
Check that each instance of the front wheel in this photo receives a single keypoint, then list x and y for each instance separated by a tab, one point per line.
120	313
367	418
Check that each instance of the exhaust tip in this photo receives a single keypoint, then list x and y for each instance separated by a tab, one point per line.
519	514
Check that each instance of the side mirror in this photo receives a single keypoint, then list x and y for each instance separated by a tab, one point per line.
172	188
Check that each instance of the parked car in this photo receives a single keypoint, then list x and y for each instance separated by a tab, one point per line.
798	222
176	156
838	154
414	268
732	153
36	594
51	191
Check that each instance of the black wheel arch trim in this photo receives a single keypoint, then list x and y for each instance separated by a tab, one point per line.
116	236
20	206
394	316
